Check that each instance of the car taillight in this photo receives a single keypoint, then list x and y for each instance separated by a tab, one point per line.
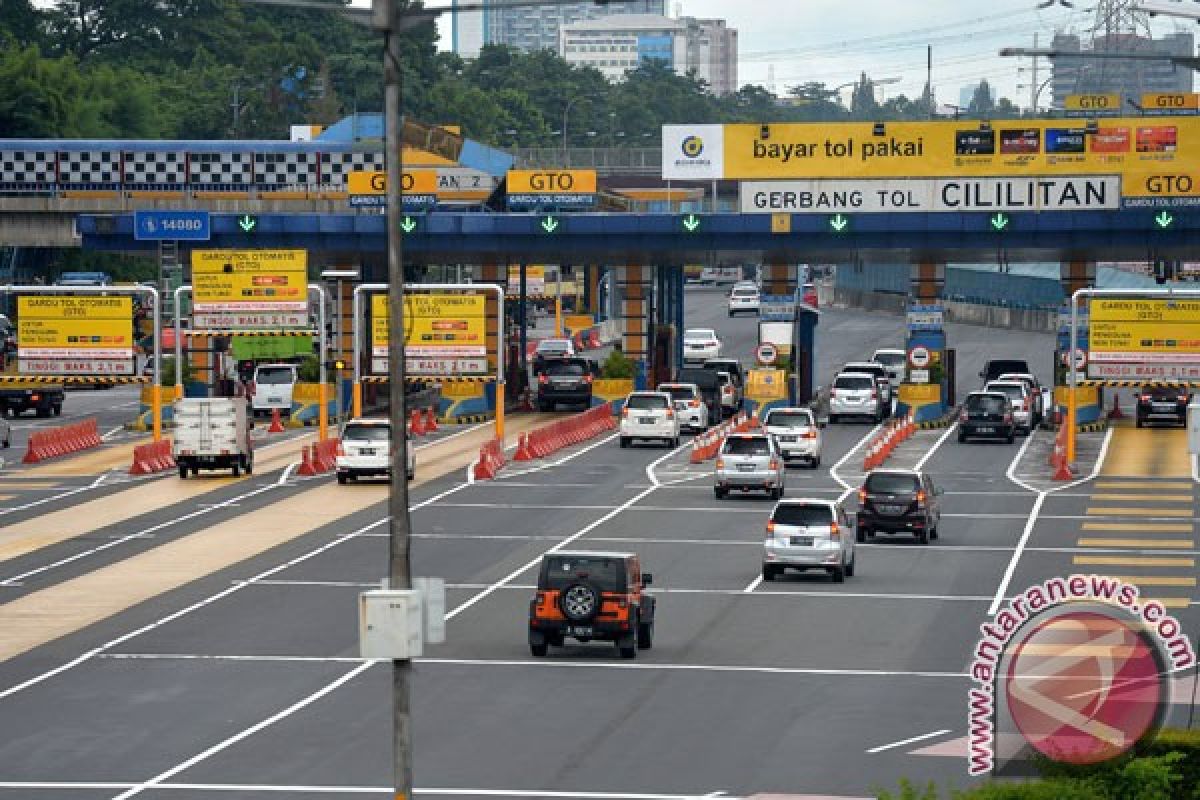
862	496
770	527
1026	404
833	392
874	394
341	451
1145	398
1008	416
35	397
693	403
670	413
774	464
587	378
962	417
624	413
834	531
809	434
720	463
921	497
543	379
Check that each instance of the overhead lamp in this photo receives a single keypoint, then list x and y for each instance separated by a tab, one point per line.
764	132
985	126
879	129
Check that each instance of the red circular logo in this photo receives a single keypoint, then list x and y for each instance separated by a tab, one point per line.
1084	686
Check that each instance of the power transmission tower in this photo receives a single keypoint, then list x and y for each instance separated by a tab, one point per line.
1119	28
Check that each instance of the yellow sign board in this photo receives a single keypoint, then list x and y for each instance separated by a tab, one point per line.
422	181
250	280
1144	338
1172	101
1147	310
435	325
75	335
1092	103
546	181
1135	148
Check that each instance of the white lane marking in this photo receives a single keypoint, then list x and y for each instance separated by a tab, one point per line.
255	788
504	477
920	465
237	737
1031	523
205	509
833	471
911	740
573	537
287	473
754	584
82	658
44	500
199	657
1011	473
1196	468
113	432
101	479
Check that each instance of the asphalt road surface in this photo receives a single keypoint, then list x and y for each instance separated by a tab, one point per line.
199	640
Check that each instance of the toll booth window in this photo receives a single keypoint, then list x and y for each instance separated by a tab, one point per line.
646	402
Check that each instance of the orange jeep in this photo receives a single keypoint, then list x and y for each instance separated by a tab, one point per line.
590	595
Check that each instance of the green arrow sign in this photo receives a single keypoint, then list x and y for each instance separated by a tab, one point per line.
1164	220
691	223
408	224
247	223
1000	222
839	222
550	224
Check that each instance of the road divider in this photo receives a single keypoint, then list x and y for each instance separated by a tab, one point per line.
1058	457
491	460
576	429
151	458
422	422
884	443
62	441
319	458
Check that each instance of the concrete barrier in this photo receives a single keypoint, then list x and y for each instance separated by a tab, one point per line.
1021	319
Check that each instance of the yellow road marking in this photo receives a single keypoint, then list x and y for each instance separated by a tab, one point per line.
4	497
1156	580
1136	561
1157	527
10	485
1143	485
1168	602
1171	544
1162	498
1140	512
1147	453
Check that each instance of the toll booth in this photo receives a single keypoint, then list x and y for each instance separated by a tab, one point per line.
804	355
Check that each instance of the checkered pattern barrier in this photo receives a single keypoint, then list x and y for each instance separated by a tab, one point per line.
220	169
285	169
27	166
154	168
79	167
1139	384
335	166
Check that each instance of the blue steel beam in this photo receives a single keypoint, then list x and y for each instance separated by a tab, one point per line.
652	238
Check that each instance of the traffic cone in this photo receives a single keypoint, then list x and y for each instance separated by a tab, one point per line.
431	425
416	424
1116	412
276	422
523	452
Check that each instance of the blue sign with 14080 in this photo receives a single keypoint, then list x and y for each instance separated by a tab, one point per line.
171	225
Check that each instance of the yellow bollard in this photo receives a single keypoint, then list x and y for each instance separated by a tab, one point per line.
156	410
356	400
558	319
1072	411
500	412
322	415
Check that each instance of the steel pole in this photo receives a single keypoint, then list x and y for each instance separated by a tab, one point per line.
179	291
400	524
322	400
356	393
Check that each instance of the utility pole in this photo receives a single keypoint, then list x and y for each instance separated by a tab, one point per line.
1033	84
389	14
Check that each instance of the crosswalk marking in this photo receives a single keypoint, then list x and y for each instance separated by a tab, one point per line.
1160	527
1140	512
1168	544
1135	561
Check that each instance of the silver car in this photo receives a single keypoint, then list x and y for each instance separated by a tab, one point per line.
855	394
796	432
1022	402
809	533
749	462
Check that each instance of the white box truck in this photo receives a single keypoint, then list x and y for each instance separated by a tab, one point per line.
212	433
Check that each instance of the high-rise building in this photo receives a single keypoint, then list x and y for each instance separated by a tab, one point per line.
617	44
536	27
1120	28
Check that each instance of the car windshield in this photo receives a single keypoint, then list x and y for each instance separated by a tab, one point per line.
679	392
854	382
745	292
275	375
891	483
790	419
889	359
802	515
562	571
564	368
747	446
367	433
699	336
553	346
1015	391
646	402
986	404
869	369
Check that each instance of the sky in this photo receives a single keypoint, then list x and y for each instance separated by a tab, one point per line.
833	41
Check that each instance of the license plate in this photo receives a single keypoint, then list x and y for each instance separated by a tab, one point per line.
1164	406
746	467
367	451
985	430
646	420
581	630
274	399
886	509
787	438
802	541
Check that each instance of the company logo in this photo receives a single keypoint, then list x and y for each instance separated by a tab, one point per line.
692	146
1081	665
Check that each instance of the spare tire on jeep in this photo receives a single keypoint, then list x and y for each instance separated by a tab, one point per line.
579	602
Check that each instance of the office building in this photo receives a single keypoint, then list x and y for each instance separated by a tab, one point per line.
536	28
617	44
1129	78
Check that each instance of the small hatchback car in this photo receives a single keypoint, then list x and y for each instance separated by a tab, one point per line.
588	595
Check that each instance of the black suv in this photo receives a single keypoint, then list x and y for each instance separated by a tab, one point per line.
710	389
1168	403
987	415
993	369
565	380
898	501
590	595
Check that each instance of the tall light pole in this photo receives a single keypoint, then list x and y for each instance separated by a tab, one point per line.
566	113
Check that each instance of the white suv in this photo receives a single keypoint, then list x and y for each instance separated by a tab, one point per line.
743	298
366	450
700	344
689	405
895	361
796	432
855	394
649	415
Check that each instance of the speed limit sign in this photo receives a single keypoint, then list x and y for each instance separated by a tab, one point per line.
919	357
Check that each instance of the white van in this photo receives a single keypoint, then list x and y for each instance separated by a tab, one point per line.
273	387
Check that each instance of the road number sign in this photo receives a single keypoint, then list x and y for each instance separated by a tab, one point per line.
919	357
766	354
